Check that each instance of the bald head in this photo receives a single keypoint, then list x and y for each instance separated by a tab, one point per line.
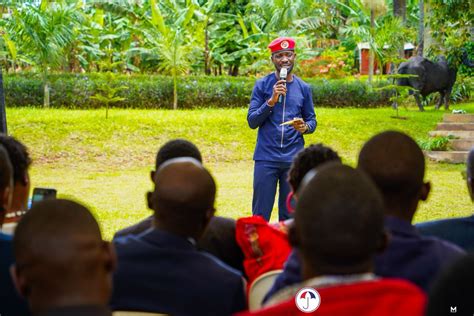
397	165
184	196
338	220
60	256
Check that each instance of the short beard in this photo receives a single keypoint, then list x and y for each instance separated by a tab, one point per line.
287	69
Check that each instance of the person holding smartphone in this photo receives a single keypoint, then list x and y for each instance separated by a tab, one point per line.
276	99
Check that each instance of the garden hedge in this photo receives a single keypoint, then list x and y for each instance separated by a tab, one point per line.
152	91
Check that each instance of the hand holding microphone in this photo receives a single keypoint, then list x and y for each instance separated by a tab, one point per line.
283	74
279	89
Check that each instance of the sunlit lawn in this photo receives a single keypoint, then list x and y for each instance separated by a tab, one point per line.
106	163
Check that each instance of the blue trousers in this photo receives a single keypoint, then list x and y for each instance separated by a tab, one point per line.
266	176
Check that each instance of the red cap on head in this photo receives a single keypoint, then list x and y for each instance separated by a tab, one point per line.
282	43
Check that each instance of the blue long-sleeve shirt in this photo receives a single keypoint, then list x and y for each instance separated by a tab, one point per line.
275	142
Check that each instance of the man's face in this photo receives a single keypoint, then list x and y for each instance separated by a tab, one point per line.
20	195
284	59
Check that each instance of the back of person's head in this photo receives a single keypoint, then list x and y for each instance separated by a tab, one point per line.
19	158
6	183
338	221
20	161
61	258
177	148
470	172
184	196
396	164
451	293
310	157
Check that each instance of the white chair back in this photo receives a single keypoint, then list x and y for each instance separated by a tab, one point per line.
260	287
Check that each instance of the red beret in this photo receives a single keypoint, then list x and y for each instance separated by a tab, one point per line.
282	43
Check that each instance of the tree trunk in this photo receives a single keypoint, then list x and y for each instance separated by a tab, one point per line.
207	69
371	50
3	115
175	91
235	70
428	40
400	10
421	30
46	90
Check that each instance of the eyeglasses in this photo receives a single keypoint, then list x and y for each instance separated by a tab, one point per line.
282	55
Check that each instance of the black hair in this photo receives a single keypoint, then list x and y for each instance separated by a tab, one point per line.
310	157
177	148
338	217
6	169
396	164
19	158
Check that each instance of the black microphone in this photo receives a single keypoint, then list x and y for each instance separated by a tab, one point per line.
283	74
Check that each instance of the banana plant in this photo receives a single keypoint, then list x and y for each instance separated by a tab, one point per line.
168	36
43	31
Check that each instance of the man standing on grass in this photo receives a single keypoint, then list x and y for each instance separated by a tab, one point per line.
278	98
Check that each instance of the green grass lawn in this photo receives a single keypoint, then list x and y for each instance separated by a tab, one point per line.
106	163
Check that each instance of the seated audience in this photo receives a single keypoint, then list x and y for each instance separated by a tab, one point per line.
21	162
219	237
338	229
63	267
160	270
10	302
397	165
451	293
266	246
175	148
459	231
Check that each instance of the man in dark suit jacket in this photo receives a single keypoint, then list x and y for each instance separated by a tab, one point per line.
161	269
459	230
219	237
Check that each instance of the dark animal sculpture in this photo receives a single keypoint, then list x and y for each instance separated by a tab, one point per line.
431	77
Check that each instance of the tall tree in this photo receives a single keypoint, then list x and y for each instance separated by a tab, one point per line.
362	24
451	23
171	40
400	10
421	29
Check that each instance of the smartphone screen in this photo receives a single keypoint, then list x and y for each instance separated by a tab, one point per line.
40	194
